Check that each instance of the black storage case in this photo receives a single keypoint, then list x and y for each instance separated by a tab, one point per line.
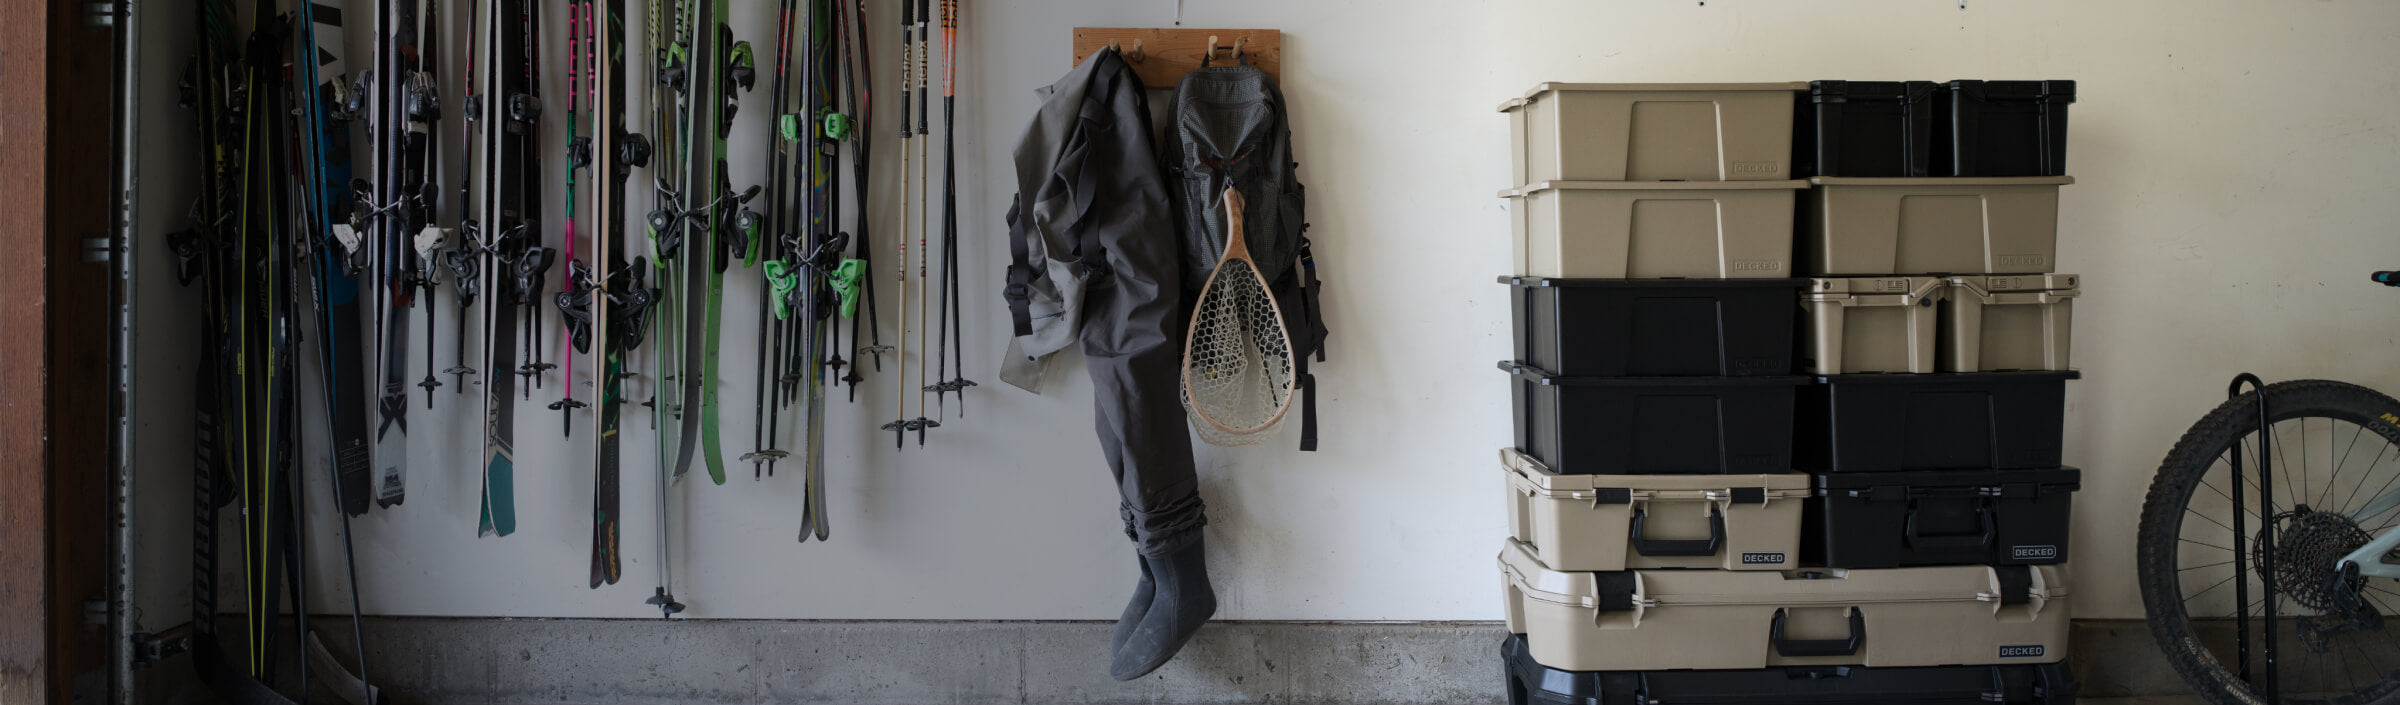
1942	421
1940	517
1655	425
1531	683
1655	327
2003	128
1866	128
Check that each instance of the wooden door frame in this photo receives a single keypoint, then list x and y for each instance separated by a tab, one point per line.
55	162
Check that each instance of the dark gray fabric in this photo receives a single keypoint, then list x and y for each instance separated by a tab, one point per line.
1181	602
1229	127
1093	216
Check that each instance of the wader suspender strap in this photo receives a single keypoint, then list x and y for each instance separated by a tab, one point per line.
1020	271
1308	324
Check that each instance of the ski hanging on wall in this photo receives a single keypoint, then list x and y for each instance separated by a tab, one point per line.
732	226
512	112
623	297
339	256
821	263
327	161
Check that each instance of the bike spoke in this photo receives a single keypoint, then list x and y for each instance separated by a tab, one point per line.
2285	465
2371	465
2355	432
2228	500
2210	565
2225	459
2209	519
2194	596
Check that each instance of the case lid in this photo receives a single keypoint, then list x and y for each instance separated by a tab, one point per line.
1894	486
1535	374
2059	285
1532	478
1666	589
1554	87
1929	378
1532	189
1845	91
1882	291
2057	91
1662	283
1923	181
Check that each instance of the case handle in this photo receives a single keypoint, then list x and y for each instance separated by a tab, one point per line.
1682	547
1983	513
1790	648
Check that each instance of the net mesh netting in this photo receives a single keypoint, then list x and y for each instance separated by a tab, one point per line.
1238	370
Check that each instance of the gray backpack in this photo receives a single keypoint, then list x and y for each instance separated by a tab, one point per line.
1228	126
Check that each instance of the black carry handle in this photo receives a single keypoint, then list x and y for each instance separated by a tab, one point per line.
1682	547
2388	278
1788	648
1983	512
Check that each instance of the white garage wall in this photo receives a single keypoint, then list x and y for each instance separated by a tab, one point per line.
2235	162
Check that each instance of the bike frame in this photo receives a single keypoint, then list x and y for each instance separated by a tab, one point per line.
2368	560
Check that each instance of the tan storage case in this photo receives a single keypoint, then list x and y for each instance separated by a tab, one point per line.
1870	324
1881	227
1616	522
2003	323
1714	619
1654	230
1653	132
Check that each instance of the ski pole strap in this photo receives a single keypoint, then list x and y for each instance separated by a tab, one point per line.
845	282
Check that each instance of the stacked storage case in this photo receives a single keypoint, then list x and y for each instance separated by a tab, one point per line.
1820	449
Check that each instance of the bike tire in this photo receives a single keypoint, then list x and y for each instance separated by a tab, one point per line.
2181	474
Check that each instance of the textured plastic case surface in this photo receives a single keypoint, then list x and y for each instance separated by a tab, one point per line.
1883	227
2016	322
1941	517
1653	132
1653	230
1943	421
1531	683
1654	327
1867	128
1877	324
1615	522
1649	620
2003	128
1655	425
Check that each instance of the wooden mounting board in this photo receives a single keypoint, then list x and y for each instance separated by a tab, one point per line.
1168	54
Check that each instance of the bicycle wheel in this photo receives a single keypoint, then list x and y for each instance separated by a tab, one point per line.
2333	449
